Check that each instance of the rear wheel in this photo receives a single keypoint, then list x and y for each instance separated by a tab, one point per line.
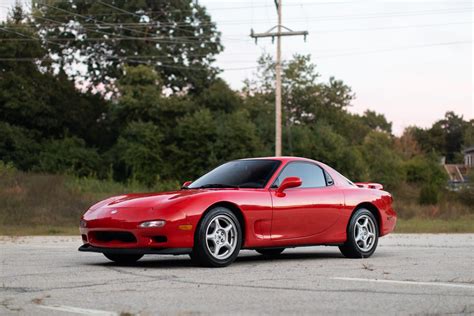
271	252
123	259
362	235
218	239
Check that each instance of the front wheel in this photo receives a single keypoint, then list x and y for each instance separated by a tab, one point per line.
362	235
123	259
218	239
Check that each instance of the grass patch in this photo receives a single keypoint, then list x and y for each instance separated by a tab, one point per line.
435	225
41	230
50	204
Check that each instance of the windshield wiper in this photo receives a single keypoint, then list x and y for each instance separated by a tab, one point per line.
217	185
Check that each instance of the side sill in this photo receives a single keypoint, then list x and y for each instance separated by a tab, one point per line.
297	246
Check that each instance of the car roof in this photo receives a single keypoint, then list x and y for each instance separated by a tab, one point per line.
282	158
338	178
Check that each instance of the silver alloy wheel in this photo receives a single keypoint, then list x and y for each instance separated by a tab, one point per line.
221	237
365	233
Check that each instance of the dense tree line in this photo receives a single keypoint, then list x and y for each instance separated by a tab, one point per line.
163	122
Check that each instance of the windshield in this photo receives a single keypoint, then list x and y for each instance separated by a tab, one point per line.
238	174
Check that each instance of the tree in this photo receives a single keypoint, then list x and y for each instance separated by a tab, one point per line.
445	137
138	153
406	145
69	155
39	100
262	114
421	169
19	42
376	121
140	93
194	145
177	38
237	137
383	163
18	146
304	100
219	97
453	127
325	145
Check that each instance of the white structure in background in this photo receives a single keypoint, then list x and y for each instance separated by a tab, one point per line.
469	157
458	173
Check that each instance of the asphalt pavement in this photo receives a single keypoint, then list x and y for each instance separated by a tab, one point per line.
409	274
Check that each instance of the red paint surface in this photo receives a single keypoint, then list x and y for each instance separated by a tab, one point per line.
300	216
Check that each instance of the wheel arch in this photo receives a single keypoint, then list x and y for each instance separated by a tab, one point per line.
373	209
234	208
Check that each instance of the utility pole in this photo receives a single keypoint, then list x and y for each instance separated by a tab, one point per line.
278	34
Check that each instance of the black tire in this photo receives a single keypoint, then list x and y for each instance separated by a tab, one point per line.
270	252
123	259
354	248
202	246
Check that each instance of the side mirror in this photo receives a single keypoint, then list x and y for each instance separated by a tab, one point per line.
290	182
186	184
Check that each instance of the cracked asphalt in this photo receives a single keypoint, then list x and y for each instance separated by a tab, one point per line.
409	274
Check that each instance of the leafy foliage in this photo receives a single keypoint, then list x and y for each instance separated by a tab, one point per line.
384	165
429	195
138	152
69	155
177	38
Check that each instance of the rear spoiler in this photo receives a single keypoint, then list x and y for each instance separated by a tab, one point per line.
369	185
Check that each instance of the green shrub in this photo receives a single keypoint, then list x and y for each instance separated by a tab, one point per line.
429	195
18	146
69	155
138	153
423	169
385	166
6	168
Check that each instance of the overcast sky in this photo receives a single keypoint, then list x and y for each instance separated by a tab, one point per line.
410	60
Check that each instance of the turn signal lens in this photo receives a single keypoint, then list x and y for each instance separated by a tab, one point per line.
185	227
151	224
83	223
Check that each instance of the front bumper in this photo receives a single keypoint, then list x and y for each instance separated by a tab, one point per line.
120	228
136	251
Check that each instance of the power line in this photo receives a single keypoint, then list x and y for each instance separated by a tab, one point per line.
396	49
236	36
213	8
245	21
134	14
119	9
5	29
113	37
101	39
255	67
120	25
89	18
124	12
159	65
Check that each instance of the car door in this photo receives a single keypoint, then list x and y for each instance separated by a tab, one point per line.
307	210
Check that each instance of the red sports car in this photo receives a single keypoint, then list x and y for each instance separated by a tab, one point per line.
266	204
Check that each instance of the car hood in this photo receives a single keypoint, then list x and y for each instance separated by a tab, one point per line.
150	200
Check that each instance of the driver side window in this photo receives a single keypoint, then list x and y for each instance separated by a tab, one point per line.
311	175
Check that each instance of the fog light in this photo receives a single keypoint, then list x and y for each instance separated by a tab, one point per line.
83	223
151	224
